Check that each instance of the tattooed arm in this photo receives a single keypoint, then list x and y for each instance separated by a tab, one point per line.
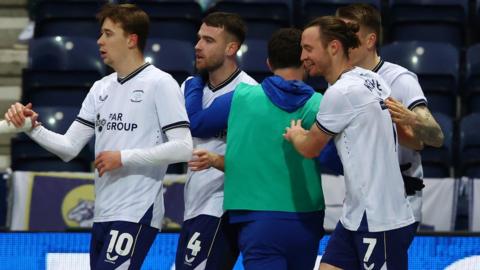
424	125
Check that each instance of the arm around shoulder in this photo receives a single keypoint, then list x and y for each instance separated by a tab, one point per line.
307	143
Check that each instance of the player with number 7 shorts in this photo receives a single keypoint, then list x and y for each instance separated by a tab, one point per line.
377	223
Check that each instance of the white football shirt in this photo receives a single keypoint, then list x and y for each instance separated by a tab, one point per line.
131	113
354	112
407	90
203	193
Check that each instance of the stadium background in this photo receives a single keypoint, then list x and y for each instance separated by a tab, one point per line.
437	39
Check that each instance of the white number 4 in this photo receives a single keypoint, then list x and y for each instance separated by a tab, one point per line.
371	242
194	244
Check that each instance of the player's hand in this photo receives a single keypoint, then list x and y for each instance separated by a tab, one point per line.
294	130
28	112
407	138
400	114
17	113
202	160
108	161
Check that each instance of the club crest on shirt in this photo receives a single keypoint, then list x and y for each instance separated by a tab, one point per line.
100	123
136	96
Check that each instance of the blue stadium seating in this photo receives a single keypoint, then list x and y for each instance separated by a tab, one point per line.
437	67
429	20
67	18
172	19
28	155
470	145
477	12
252	58
173	56
311	9
61	70
263	17
472	79
436	162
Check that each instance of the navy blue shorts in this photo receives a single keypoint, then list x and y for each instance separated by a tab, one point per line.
280	244
369	250
207	242
120	243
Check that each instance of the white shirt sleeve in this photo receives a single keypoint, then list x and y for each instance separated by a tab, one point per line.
335	112
178	148
407	90
170	105
64	146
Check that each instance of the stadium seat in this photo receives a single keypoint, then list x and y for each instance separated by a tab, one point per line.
471	92
252	58
437	67
311	9
173	56
436	162
172	19
67	18
429	20
477	13
263	17
29	156
469	153
61	70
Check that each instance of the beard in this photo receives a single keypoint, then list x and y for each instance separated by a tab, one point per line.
209	66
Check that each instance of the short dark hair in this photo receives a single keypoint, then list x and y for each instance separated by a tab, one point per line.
284	48
364	14
231	22
132	19
333	28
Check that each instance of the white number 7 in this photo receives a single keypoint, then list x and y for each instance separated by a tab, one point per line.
371	242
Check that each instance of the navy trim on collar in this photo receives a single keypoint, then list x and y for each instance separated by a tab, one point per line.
227	81
378	66
133	74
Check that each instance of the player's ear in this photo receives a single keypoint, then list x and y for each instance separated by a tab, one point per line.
232	48
371	40
269	65
333	47
132	40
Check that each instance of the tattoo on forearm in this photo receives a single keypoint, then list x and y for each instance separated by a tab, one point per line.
427	129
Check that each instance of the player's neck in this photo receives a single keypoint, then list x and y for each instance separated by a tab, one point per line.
222	73
290	74
337	69
128	65
370	62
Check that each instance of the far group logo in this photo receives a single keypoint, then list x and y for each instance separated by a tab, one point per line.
136	96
